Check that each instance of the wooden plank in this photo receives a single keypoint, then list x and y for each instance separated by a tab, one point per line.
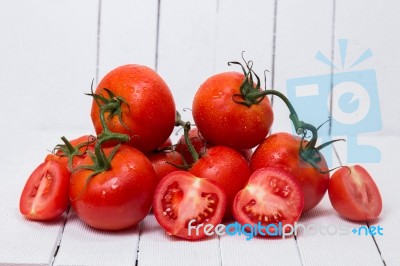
372	31
307	83
185	60
330	240
23	241
157	248
83	245
127	35
240	29
48	57
236	250
40	51
186	48
303	29
128	32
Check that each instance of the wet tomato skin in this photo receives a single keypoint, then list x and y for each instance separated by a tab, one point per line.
117	198
222	121
181	197
148	110
45	194
354	194
281	150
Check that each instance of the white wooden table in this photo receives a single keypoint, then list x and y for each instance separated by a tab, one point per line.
51	50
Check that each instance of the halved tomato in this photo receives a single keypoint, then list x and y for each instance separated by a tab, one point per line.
182	199
354	194
272	196
45	195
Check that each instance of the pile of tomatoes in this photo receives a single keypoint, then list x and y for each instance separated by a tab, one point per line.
114	179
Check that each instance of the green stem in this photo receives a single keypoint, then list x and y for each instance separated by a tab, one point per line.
186	128
300	126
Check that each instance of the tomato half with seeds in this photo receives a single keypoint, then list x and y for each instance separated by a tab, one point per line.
270	197
282	150
182	198
354	194
45	195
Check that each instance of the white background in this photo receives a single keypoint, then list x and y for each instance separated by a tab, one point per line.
50	51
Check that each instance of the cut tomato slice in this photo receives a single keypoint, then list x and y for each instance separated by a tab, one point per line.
45	195
182	199
354	194
272	196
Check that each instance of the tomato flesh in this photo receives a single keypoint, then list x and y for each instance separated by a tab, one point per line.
181	198
271	196
45	195
354	194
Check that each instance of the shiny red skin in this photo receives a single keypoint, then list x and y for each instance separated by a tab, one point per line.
149	109
118	198
281	150
225	122
354	194
164	161
45	194
224	167
191	202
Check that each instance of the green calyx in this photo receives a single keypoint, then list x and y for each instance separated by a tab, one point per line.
249	93
110	105
253	94
69	151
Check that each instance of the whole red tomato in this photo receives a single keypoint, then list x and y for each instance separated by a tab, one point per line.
281	150
354	194
224	167
225	120
142	106
116	198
